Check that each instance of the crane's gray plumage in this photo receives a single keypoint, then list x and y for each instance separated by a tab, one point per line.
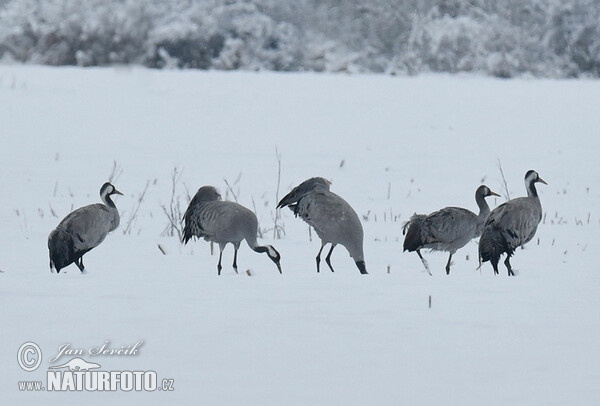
83	230
511	225
223	222
332	217
448	229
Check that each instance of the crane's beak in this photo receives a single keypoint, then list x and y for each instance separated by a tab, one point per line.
116	192
278	267
494	194
541	180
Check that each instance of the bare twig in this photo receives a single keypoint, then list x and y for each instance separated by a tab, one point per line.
260	234
173	212
231	190
504	184
115	173
277	229
133	215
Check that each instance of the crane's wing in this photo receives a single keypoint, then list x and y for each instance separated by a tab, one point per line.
451	225
517	220
88	226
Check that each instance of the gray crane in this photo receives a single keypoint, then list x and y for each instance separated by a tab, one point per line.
511	225
83	230
331	216
448	229
223	222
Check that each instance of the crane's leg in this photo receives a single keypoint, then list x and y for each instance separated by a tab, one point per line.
79	263
494	262
219	267
328	257
236	247
448	264
424	262
507	263
319	257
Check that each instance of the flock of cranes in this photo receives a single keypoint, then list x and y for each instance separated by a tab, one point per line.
503	230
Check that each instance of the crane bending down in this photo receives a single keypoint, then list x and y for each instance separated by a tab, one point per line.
512	224
223	222
83	230
332	217
448	229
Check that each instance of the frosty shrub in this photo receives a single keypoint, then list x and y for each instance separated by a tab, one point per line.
547	38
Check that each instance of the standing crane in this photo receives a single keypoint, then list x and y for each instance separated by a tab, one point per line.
223	222
448	229
82	230
332	217
512	224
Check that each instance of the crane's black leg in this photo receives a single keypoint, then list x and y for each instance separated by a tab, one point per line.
319	257
79	263
424	262
328	257
448	265
507	263
219	267
235	250
494	262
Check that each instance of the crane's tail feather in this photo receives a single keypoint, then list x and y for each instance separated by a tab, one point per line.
302	190
290	199
412	230
187	234
61	249
492	245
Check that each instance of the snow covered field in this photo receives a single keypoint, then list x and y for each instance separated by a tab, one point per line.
391	146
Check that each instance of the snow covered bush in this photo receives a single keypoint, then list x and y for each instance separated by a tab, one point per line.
551	38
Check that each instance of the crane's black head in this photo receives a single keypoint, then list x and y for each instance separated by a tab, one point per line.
362	267
532	177
485	191
108	189
274	255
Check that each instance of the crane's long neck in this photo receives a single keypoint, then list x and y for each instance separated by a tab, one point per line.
531	190
484	209
268	249
108	201
116	219
252	243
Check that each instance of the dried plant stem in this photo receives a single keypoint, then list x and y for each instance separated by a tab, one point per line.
127	229
504	183
231	190
173	212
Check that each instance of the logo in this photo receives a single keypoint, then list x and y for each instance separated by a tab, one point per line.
26	356
77	364
78	374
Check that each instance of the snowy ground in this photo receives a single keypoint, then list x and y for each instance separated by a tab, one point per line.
391	146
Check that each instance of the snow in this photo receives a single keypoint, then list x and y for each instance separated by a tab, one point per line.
301	337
